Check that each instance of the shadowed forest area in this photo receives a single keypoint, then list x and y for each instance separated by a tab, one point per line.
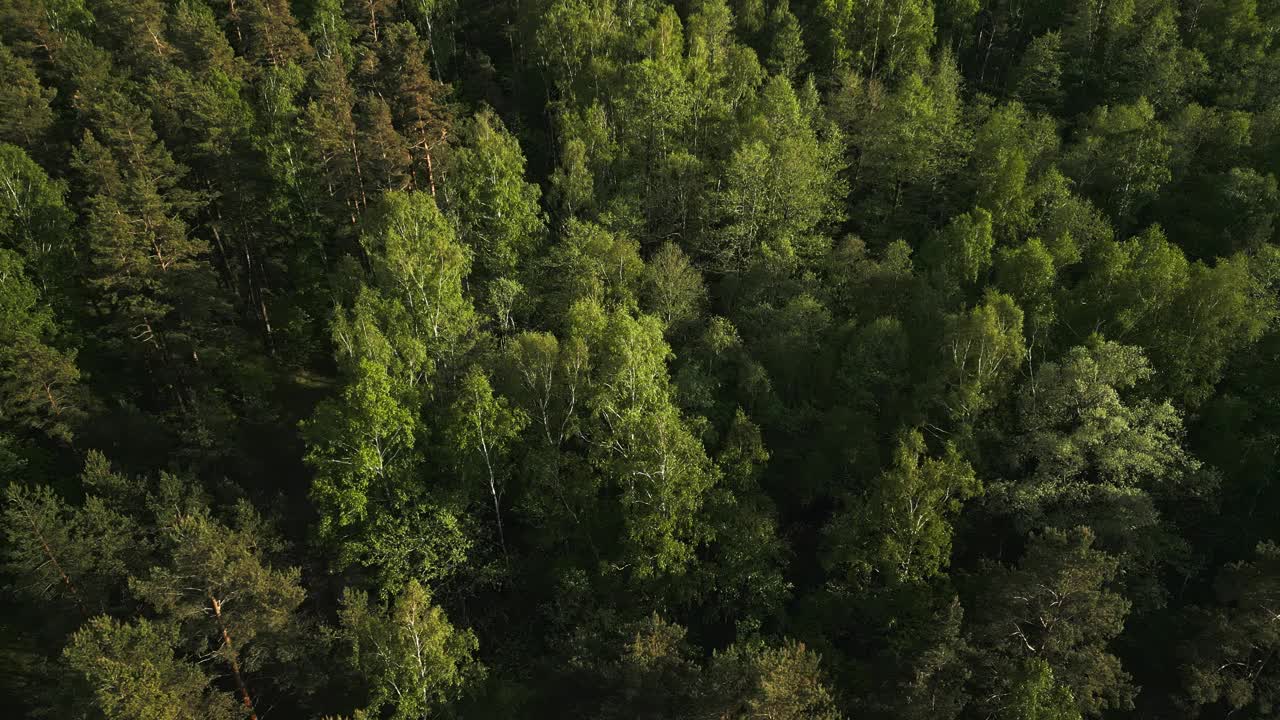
640	360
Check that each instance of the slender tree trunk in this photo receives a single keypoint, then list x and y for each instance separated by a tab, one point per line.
235	664
235	23
53	560
497	509
431	172
228	276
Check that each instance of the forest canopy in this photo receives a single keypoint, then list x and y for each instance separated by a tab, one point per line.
640	360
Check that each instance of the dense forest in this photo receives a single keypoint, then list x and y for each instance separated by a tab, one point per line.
631	359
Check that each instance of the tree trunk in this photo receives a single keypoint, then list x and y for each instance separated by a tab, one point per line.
53	560
235	664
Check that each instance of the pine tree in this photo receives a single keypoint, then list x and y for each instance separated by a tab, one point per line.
418	101
331	129
218	588
134	673
25	112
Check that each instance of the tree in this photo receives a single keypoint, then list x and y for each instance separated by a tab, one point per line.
495	209
134	673
879	38
961	252
362	445
1121	158
907	140
417	101
874	378
1038	77
1028	273
70	556
201	106
1035	695
1152	61
268	33
653	100
591	262
1227	659
781	189
654	676
330	32
1233	39
900	530
641	444
744	579
148	273
1085	452
35	222
696	359
1056	607
410	655
673	288
1009	167
331	129
784	682
385	153
132	33
486	425
787	53
981	349
411	320
575	40
25	113
218	587
419	265
1137	288
39	384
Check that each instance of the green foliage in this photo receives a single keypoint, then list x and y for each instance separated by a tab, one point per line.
39	382
35	222
1227	660
1028	273
419	266
590	262
484	425
216	585
70	556
1011	152
655	676
1056	607
497	210
642	446
981	349
888	38
362	446
1087	448
777	682
134	673
1121	158
900	530
639	358
674	289
961	252
26	115
1138	286
781	186
1036	696
908	140
1038	82
408	653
